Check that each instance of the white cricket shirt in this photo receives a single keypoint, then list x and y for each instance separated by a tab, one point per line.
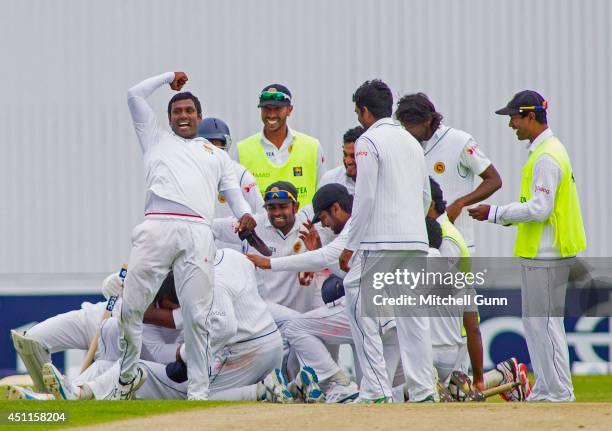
338	175
392	192
189	172
454	159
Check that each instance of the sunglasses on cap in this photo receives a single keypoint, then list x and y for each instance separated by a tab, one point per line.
278	96
279	194
541	107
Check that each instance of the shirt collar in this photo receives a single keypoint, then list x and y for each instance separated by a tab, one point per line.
286	142
197	138
381	121
440	131
541	138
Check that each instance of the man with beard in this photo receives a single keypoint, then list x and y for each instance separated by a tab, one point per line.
347	173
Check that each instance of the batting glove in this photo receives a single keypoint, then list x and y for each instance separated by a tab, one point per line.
112	286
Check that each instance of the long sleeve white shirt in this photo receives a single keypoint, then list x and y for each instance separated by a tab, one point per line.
545	181
190	172
392	191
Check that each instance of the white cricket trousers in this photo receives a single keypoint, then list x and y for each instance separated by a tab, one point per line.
413	329
235	372
311	333
72	330
186	246
543	287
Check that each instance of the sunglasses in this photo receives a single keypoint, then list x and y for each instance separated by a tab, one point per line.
279	194
541	107
274	95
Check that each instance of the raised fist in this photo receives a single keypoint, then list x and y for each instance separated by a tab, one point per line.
180	79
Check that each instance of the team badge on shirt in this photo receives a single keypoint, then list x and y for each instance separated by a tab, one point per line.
221	199
439	168
297	247
297	171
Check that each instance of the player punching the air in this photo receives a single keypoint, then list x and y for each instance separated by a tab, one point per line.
183	174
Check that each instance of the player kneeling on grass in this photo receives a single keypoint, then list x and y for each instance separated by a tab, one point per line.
455	330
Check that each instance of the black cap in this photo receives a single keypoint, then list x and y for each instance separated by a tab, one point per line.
325	197
275	88
524	101
278	186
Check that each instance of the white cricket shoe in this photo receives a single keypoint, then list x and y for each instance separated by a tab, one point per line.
276	388
20	393
55	383
341	394
33	354
127	391
307	385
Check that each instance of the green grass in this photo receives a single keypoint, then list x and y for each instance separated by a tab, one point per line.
92	412
587	389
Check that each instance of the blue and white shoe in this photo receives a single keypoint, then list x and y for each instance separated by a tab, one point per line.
341	394
55	383
20	393
276	388
307	386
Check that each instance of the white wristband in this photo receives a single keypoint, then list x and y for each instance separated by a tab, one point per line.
177	316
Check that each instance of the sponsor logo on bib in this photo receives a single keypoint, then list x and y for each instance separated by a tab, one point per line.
297	171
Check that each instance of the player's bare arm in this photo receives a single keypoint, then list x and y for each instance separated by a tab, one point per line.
259	261
491	182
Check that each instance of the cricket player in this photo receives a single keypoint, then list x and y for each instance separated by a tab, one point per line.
280	229
76	329
311	333
246	344
392	178
550	233
183	176
345	174
453	159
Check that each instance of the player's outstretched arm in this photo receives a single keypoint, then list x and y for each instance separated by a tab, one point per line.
143	117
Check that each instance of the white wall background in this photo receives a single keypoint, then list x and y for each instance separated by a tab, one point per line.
70	168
